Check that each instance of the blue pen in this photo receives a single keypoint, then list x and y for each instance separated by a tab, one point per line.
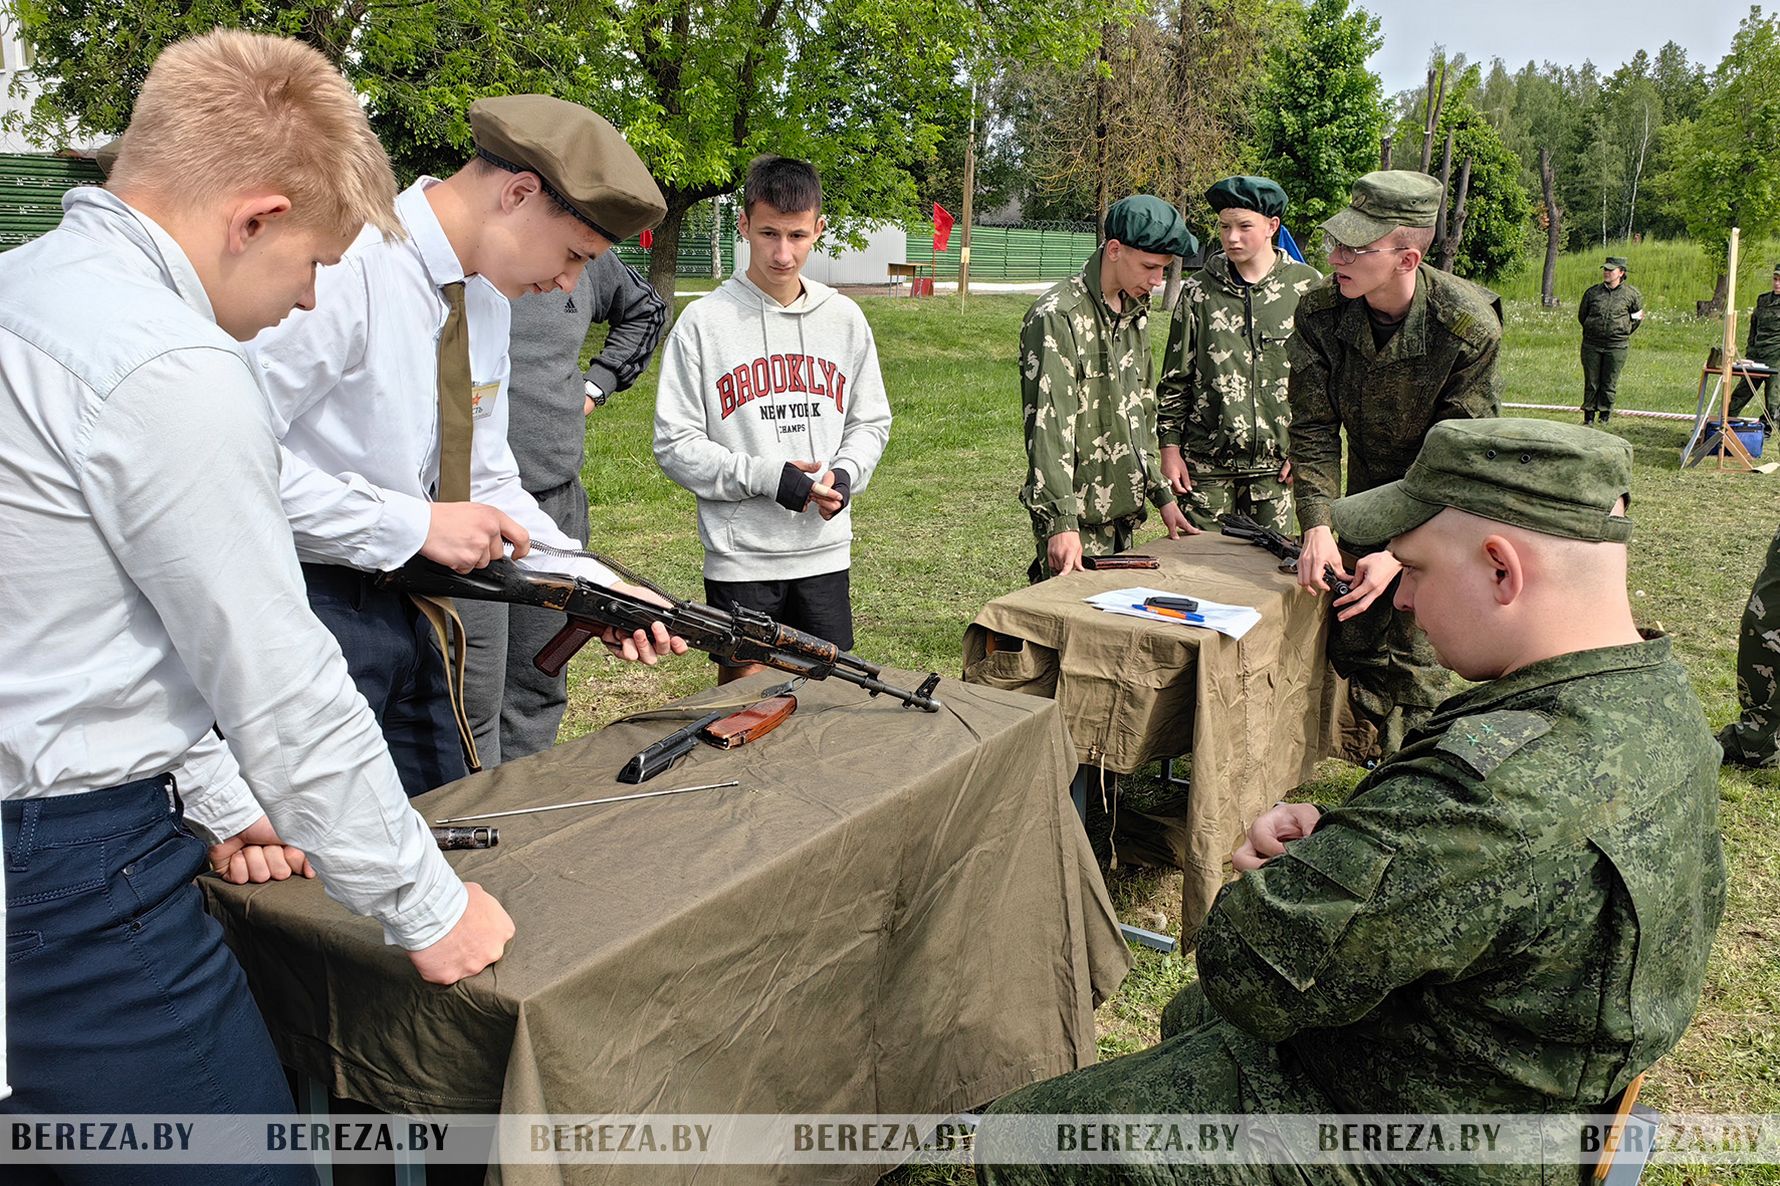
1171	613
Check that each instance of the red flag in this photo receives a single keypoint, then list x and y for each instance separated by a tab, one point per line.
648	238
942	227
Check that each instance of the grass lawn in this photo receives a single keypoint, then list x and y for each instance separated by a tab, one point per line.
940	532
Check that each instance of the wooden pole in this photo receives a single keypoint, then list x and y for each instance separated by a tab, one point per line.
1728	441
970	187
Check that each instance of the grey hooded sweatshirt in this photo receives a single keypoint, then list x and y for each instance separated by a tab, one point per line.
748	384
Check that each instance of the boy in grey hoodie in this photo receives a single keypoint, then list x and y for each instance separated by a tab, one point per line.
771	410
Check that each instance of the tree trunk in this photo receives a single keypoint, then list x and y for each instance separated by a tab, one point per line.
1445	181
1553	232
1101	199
1449	247
1435	104
1384	153
1715	306
665	253
1637	173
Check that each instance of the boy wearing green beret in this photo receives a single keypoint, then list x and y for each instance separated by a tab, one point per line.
1087	388
1224	414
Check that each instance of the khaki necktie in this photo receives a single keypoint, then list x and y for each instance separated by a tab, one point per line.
457	420
456	416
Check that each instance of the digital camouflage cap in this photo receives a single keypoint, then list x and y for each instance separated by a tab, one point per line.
1556	479
1147	223
1615	261
1382	202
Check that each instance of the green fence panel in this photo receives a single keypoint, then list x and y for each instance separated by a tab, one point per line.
31	189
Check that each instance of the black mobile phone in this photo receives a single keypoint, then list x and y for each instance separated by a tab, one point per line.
1185	605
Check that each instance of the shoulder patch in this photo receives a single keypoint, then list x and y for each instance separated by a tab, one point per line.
1483	742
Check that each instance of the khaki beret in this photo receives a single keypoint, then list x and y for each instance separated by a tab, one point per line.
583	161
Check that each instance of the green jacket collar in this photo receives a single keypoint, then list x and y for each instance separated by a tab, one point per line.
1411	338
1501	693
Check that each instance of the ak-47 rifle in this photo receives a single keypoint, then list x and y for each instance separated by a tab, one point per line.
741	636
1242	526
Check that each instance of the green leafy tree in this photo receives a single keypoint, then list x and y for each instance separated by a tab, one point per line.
1498	211
862	88
1320	116
1725	165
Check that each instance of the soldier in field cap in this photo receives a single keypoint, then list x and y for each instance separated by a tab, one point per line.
1763	346
1610	313
390	397
1383	349
1513	913
1088	391
1224	415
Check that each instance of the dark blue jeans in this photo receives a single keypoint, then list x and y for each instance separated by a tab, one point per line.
397	667
120	995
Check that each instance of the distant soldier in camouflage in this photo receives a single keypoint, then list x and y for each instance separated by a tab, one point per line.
1514	912
1224	416
1087	384
1763	346
1610	313
1384	349
1753	739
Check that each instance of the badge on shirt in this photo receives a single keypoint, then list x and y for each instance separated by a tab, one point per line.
482	399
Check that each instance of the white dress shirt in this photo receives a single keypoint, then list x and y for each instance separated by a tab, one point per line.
152	587
355	400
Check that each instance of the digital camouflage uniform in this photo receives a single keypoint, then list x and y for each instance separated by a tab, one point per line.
1607	328
1439	365
1763	346
1754	738
1512	914
1087	387
1223	396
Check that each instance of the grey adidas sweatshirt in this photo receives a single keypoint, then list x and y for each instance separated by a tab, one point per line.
748	384
546	427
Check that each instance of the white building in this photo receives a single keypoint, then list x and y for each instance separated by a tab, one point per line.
16	62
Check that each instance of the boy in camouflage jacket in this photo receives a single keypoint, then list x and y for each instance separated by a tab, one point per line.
1223	414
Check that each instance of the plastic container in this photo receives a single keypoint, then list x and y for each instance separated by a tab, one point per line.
1750	432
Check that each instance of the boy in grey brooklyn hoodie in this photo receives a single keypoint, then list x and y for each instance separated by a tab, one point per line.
771	410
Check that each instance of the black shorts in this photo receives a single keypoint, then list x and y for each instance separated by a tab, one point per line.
821	605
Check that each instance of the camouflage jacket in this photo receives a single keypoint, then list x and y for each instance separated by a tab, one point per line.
1606	315
1512	913
1763	343
1222	398
1087	385
1440	365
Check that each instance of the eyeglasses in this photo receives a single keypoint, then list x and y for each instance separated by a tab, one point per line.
1341	253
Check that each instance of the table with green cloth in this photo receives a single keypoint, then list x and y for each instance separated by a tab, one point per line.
896	912
1256	714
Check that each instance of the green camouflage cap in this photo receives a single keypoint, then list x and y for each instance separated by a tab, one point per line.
1260	194
1556	479
1147	223
1381	203
1615	261
585	164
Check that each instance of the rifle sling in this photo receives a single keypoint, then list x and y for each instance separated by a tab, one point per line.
453	641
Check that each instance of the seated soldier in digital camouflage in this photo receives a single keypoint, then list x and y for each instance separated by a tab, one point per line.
1512	913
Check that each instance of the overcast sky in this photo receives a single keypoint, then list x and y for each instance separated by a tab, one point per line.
1567	32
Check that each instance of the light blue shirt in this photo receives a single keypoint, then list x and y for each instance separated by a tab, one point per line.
152	587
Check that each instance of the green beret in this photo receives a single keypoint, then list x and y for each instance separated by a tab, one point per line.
1259	194
1147	223
1556	479
1615	261
583	161
1381	203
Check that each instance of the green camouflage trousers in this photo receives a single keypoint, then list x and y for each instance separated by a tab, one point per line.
1098	539
1394	679
1265	499
1203	1066
1600	378
1751	739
